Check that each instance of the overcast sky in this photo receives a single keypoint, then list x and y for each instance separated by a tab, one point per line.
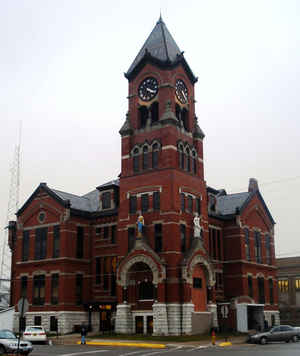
61	73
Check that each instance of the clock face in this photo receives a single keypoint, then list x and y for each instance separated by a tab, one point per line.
181	91
148	89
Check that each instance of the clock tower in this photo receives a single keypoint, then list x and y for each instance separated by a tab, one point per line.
162	183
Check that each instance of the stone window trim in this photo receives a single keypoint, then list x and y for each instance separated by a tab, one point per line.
112	203
186	191
41	216
144	190
184	146
139	148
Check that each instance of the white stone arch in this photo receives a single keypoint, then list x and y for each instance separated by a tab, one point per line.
158	276
156	142
136	150
187	270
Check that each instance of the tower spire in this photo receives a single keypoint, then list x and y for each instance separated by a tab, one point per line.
160	49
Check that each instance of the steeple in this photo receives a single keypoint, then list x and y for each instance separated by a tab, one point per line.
161	49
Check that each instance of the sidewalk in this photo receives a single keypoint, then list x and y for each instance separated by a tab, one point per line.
75	339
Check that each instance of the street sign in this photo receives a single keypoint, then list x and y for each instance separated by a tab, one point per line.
23	306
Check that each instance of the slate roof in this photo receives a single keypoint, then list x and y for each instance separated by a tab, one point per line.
227	204
160	45
88	202
160	48
111	182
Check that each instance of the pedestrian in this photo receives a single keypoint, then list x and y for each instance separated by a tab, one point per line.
83	332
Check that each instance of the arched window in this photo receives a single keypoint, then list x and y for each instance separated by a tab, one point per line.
188	160
136	158
154	112
194	162
145	158
181	156
146	290
185	119
155	151
143	116
178	112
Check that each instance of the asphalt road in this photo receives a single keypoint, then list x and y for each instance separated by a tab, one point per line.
277	349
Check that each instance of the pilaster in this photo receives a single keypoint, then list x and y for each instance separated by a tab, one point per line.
187	310
124	324
160	319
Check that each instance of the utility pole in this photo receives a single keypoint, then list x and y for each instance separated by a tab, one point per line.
12	208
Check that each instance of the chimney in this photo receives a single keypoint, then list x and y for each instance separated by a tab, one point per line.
253	185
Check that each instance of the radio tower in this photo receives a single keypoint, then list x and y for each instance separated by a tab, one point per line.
12	208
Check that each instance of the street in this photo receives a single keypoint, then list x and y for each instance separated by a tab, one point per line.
277	349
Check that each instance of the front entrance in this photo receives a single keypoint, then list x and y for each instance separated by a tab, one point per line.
149	324
139	325
105	321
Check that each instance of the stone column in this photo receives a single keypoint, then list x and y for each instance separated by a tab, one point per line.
187	311
174	318
124	322
212	308
160	319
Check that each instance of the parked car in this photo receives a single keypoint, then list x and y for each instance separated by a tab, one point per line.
35	333
9	343
277	333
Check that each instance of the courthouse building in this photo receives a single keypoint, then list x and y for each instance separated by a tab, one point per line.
82	259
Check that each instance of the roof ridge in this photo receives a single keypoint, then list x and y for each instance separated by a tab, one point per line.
74	195
164	39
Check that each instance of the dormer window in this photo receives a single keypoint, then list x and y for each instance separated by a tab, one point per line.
106	200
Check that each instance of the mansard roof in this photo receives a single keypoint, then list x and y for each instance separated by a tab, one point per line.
161	49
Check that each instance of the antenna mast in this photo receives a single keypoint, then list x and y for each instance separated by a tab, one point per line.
12	208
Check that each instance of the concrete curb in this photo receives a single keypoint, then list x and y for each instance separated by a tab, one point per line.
131	344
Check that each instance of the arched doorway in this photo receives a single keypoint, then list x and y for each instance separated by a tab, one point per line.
141	296
199	289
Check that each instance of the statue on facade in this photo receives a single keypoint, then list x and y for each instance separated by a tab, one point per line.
197	227
140	224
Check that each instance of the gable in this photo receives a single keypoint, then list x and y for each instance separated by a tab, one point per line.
42	210
256	214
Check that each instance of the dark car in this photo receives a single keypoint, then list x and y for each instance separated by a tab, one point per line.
277	333
9	343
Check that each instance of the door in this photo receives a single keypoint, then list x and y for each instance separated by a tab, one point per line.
104	322
139	325
149	324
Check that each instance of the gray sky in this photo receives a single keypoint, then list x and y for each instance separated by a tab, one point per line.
61	70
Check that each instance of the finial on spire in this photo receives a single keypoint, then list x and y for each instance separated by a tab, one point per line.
160	20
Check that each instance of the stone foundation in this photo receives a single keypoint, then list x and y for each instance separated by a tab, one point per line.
66	320
124	322
187	311
174	318
160	319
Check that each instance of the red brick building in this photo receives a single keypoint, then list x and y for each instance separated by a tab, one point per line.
84	258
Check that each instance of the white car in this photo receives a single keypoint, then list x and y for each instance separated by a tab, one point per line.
35	333
9	344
